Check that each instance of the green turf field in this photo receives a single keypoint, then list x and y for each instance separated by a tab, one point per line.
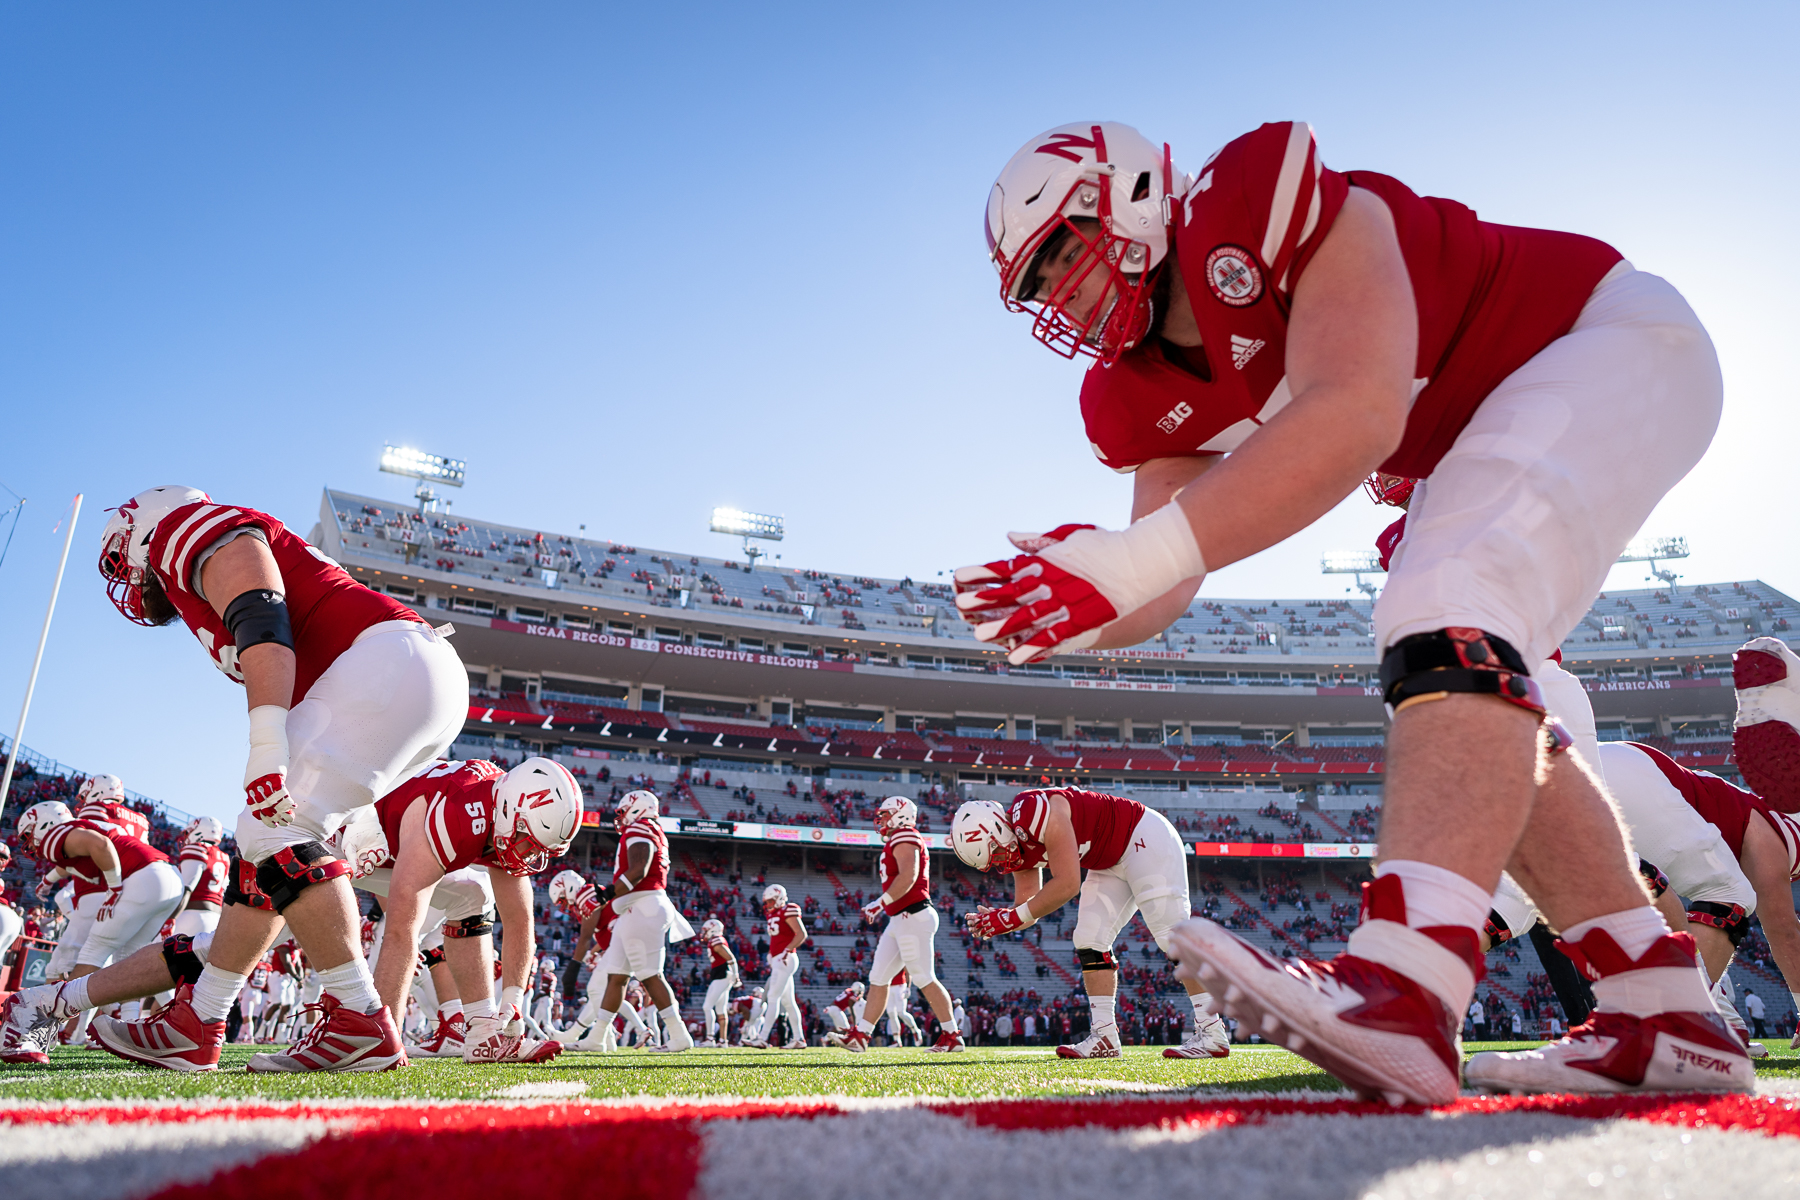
95	1075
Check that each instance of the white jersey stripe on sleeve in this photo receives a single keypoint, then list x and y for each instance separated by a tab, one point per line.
180	543
1287	190
438	826
1312	221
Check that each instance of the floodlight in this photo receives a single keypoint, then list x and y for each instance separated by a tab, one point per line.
1354	562
738	523
1650	550
426	468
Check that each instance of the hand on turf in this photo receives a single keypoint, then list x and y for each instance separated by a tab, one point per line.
986	923
1075	581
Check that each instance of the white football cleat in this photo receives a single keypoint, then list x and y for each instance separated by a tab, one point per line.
1655	1030
679	1041
1209	1039
795	1044
28	1025
1381	1032
1765	739
1102	1043
446	1041
499	1040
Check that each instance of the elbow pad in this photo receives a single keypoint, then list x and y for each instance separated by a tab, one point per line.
259	617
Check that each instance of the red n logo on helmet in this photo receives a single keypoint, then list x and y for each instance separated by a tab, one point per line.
1060	143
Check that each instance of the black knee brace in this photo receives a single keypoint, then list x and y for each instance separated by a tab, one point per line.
1427	666
184	964
470	927
1654	879
241	888
1729	919
1496	928
292	869
1096	960
433	957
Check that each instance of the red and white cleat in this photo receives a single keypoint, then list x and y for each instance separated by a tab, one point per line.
856	1041
446	1041
947	1043
27	1029
1210	1039
497	1040
1102	1043
175	1039
340	1040
1766	737
1386	1035
1654	1031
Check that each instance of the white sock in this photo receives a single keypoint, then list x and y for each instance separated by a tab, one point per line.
73	998
450	1008
1435	896
475	1010
1101	1010
1633	929
603	1019
671	1017
866	1025
352	985
1200	1001
215	992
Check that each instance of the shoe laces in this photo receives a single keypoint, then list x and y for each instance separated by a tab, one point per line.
314	1032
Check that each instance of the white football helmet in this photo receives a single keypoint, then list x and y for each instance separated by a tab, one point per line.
1123	187
203	829
774	898
896	813
537	811
859	987
984	840
125	544
40	819
712	927
108	789
757	992
565	885
5	856
634	806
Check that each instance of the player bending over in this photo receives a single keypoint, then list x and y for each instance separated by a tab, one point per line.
348	691
204	870
1134	863
787	933
844	1012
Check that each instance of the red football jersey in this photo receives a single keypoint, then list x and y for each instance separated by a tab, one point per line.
846	1000
259	975
781	934
1489	298
721	952
646	830
326	607
1103	824
603	928
126	819
890	870
209	887
459	812
134	855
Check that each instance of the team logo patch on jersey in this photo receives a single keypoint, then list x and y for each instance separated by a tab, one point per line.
1244	349
1232	274
1171	420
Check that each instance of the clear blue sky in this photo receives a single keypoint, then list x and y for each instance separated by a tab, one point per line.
631	262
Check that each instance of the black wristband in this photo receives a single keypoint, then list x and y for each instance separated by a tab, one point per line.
257	618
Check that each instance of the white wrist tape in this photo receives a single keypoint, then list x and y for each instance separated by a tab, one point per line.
113	878
268	742
1023	912
1135	566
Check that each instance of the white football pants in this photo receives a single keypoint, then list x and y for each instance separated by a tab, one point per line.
779	996
148	897
909	941
1666	831
75	931
1151	878
193	921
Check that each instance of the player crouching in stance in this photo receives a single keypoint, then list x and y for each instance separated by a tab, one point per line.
844	1012
724	976
348	690
908	942
204	869
1134	862
463	839
787	933
646	921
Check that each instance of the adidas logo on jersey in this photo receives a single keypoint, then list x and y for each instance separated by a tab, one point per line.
1172	419
1244	349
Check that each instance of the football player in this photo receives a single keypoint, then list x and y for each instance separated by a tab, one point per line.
1273	331
100	802
11	923
723	977
842	1012
646	921
348	692
787	933
900	1020
1135	863
908	943
204	868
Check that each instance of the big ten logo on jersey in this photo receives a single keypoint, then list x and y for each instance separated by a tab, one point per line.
1172	419
477	817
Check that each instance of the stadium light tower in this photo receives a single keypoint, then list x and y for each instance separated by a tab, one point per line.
426	468
1357	563
1650	550
735	522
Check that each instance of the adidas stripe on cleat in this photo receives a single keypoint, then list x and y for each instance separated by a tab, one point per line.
1102	1043
339	1040
175	1039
